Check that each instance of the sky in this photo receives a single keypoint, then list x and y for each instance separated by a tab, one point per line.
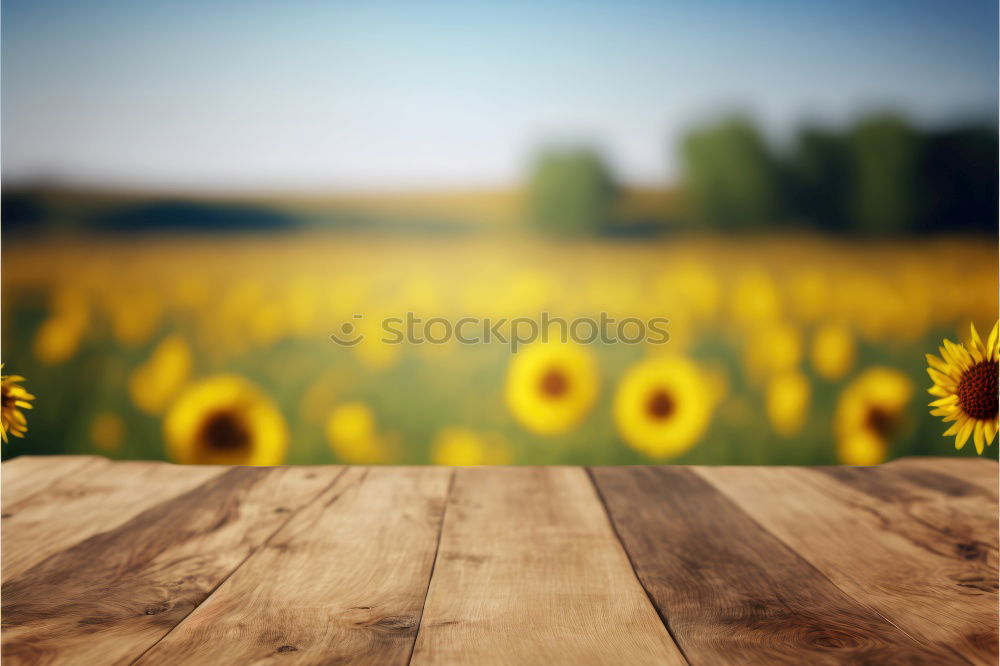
245	95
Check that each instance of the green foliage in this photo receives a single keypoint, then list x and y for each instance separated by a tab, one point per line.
570	191
959	179
819	169
731	179
881	176
885	153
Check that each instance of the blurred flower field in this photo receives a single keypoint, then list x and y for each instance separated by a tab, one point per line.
209	349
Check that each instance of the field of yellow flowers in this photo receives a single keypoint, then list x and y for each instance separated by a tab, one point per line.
217	349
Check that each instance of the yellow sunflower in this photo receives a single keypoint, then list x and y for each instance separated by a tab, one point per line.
663	406
462	447
965	383
862	448
352	434
225	420
13	398
787	402
551	386
870	412
154	383
833	351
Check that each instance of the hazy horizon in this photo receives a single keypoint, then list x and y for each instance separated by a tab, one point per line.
300	97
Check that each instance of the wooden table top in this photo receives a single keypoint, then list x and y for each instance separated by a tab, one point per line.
114	562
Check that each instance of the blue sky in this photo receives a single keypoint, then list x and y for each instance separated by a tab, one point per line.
279	95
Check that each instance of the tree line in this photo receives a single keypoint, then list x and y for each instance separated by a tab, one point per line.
881	175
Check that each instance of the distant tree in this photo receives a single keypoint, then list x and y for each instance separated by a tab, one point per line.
570	191
958	180
730	177
819	171
21	212
885	190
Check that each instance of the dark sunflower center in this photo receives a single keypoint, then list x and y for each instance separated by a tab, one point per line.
7	399
660	405
881	421
977	392
225	432
554	383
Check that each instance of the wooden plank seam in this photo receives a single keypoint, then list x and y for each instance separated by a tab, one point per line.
614	528
437	553
261	545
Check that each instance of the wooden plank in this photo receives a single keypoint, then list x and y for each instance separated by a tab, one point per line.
953	516
27	475
729	590
343	582
530	571
79	505
943	514
916	575
113	595
981	472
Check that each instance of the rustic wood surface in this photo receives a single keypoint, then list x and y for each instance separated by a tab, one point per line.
130	562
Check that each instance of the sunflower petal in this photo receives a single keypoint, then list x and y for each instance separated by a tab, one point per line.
974	338
989	432
977	436
991	341
976	355
950	400
958	353
941	379
945	352
943	411
980	351
939	392
937	363
953	430
964	432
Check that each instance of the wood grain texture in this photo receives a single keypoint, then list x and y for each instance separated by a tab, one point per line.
729	590
947	515
25	476
113	595
863	538
529	571
78	505
342	583
115	562
981	472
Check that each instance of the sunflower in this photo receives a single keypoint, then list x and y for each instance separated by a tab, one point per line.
870	413
551	387
863	448
965	383
787	402
13	398
59	336
225	420
772	348
663	406
462	447
833	351
352	434
154	383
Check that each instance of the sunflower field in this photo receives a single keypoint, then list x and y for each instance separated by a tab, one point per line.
218	349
